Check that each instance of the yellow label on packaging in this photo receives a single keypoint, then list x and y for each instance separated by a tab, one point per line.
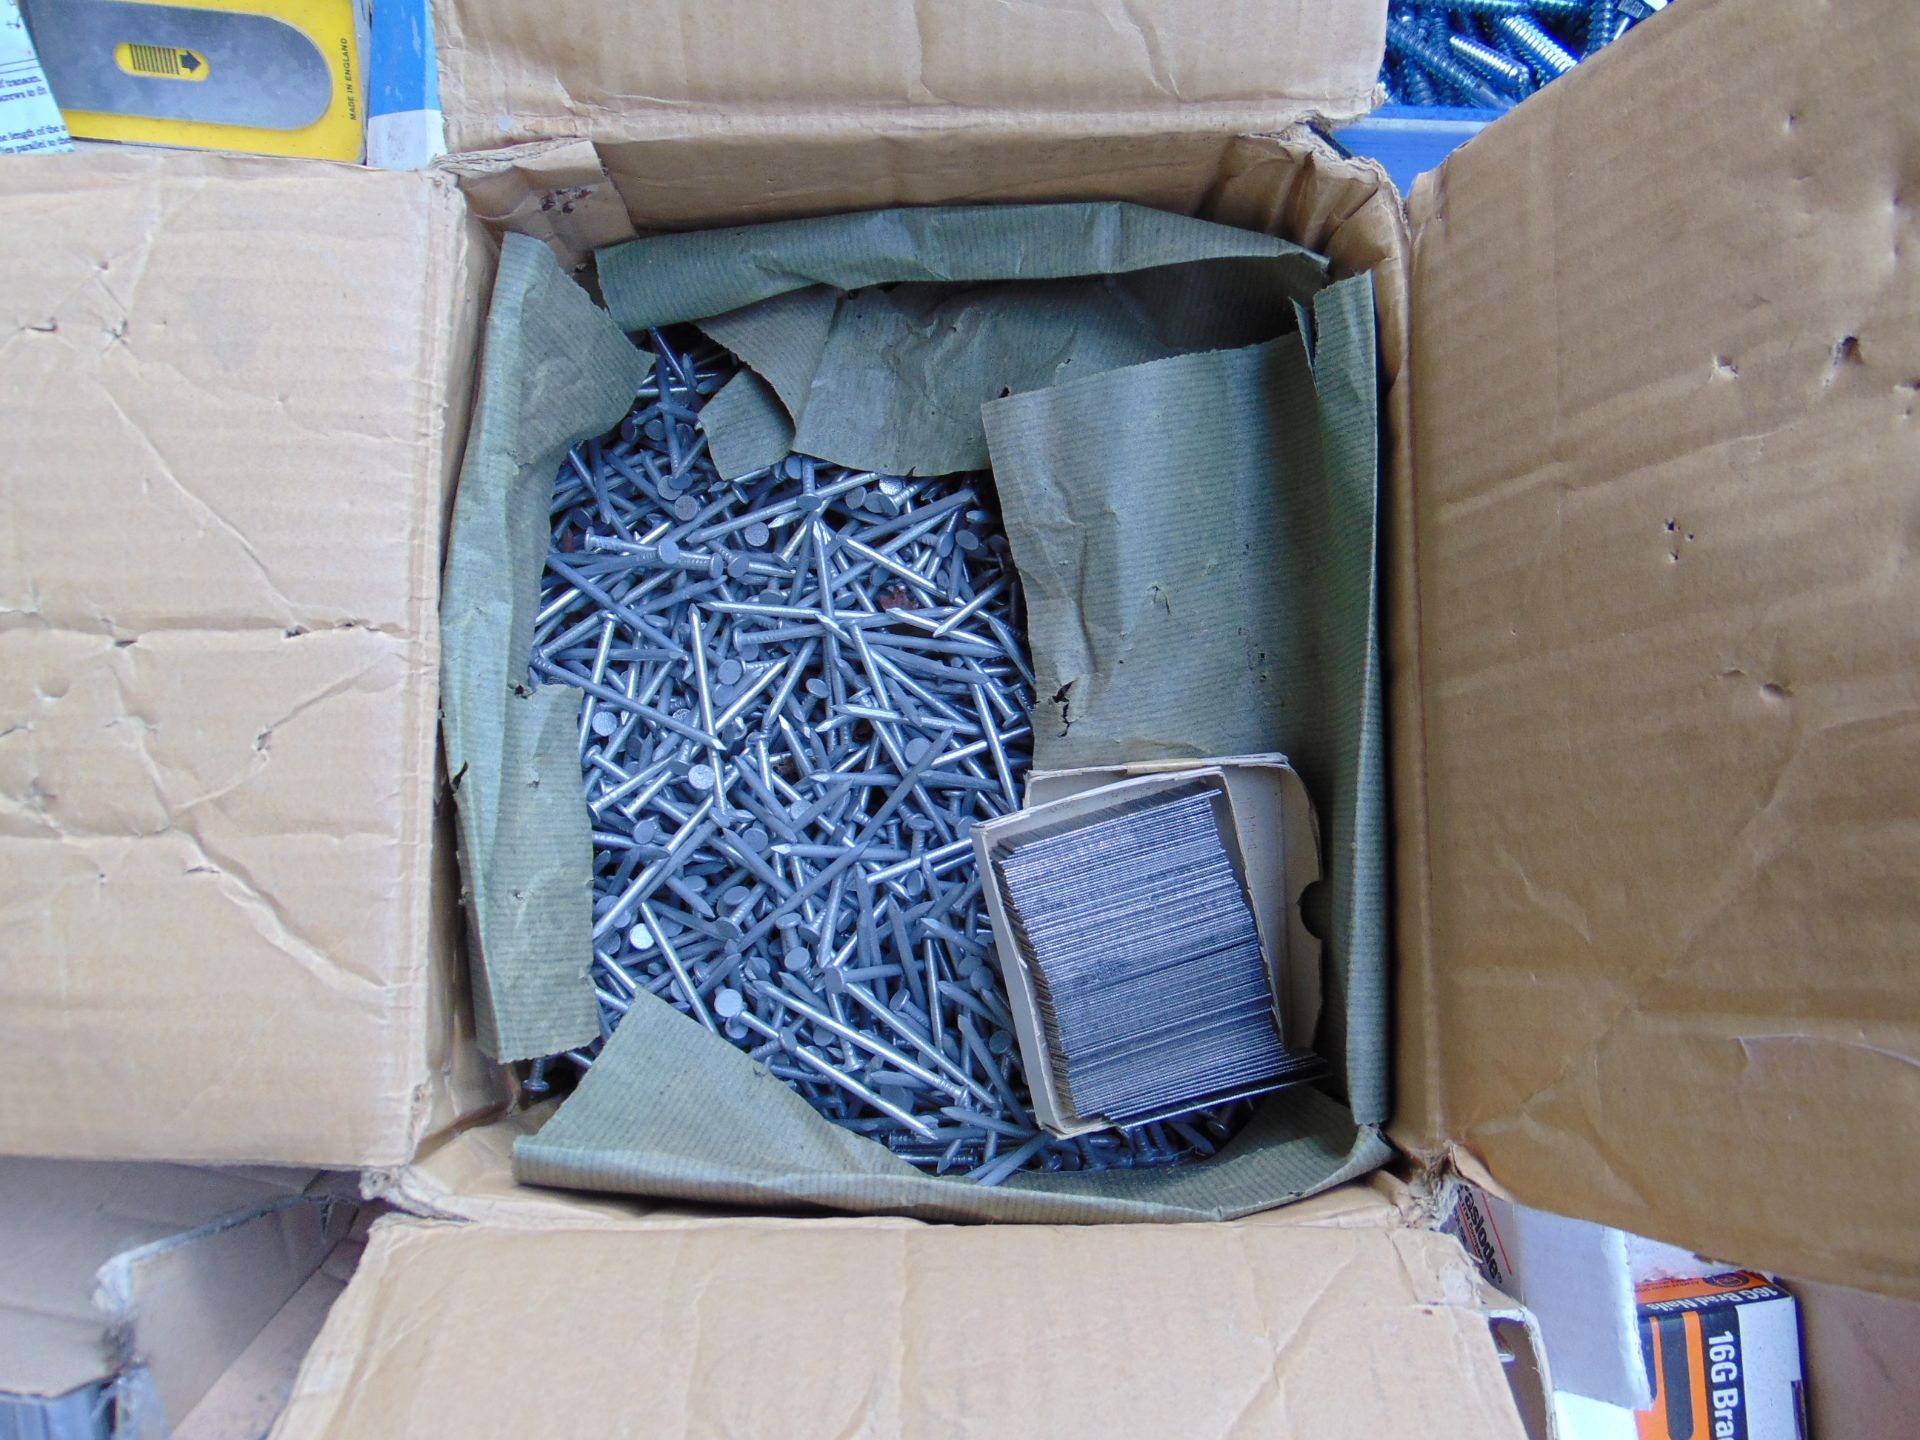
335	132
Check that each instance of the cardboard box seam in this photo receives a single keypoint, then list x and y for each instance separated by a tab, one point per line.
1174	60
424	680
1399	610
441	1022
822	122
1421	1138
1424	1137
409	1213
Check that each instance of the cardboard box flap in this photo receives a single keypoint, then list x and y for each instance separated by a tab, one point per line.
72	1218
510	71
889	1327
221	516
250	1394
143	1282
1667	331
1859	1360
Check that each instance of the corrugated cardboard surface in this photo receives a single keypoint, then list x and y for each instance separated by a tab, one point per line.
232	402
567	192
513	72
887	1327
1859	1349
1668	362
64	1220
127	1289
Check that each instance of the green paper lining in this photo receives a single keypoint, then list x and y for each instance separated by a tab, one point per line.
671	1109
879	336
555	370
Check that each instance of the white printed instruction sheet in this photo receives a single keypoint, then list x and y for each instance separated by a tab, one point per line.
29	119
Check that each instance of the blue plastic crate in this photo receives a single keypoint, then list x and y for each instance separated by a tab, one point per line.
1408	139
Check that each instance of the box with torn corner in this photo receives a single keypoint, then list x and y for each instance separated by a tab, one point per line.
1330	1318
144	1300
1642	678
1320	1165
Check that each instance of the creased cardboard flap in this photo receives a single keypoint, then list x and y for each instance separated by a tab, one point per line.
229	391
512	71
886	1327
1667	330
127	1289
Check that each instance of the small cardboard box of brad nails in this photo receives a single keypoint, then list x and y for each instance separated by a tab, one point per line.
1272	839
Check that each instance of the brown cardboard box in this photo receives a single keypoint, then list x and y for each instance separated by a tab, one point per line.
133	1297
233	399
1667	321
248	888
679	1324
1650	624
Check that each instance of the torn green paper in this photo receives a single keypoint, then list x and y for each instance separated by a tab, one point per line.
1196	540
747	428
555	371
671	1109
674	278
978	302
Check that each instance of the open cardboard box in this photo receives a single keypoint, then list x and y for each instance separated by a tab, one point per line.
1650	354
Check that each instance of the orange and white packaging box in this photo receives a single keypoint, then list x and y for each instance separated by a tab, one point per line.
1722	1355
1643	1340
